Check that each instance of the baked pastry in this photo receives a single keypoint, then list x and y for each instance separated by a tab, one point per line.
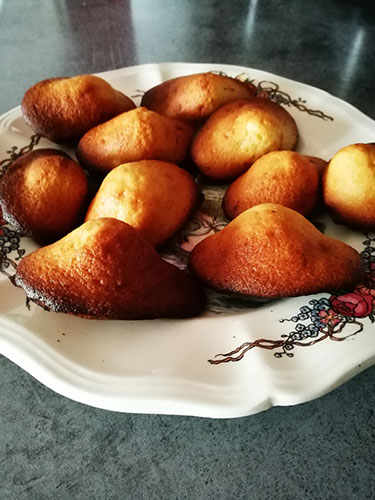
284	177
271	251
105	270
137	135
63	109
239	133
153	196
193	98
43	194
349	185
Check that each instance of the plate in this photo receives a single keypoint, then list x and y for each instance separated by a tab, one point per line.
237	358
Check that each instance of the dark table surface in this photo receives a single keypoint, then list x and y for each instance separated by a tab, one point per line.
52	447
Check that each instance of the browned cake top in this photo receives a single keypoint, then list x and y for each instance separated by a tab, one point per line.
193	98
349	185
153	196
283	177
105	269
63	109
272	251
43	194
136	135
239	133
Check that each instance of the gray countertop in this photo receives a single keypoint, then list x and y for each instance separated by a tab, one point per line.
54	448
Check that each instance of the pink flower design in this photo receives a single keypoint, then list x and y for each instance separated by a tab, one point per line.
364	290
353	304
329	317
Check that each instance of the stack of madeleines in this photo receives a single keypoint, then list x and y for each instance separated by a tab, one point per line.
99	250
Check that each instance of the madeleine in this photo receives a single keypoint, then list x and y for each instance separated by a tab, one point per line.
193	98
137	135
239	133
271	251
283	177
154	197
104	269
64	109
349	185
43	194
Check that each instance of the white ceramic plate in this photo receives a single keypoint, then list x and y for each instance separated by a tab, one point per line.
283	353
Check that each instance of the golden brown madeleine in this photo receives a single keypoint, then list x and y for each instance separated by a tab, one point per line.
155	197
239	133
43	194
63	109
272	251
283	177
105	269
349	185
193	98
137	135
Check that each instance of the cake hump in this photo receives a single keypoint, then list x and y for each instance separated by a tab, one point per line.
273	251
106	270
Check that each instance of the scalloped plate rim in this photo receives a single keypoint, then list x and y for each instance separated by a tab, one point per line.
75	385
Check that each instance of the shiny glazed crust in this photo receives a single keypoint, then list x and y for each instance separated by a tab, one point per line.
193	98
137	135
43	194
272	251
106	270
64	109
239	133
